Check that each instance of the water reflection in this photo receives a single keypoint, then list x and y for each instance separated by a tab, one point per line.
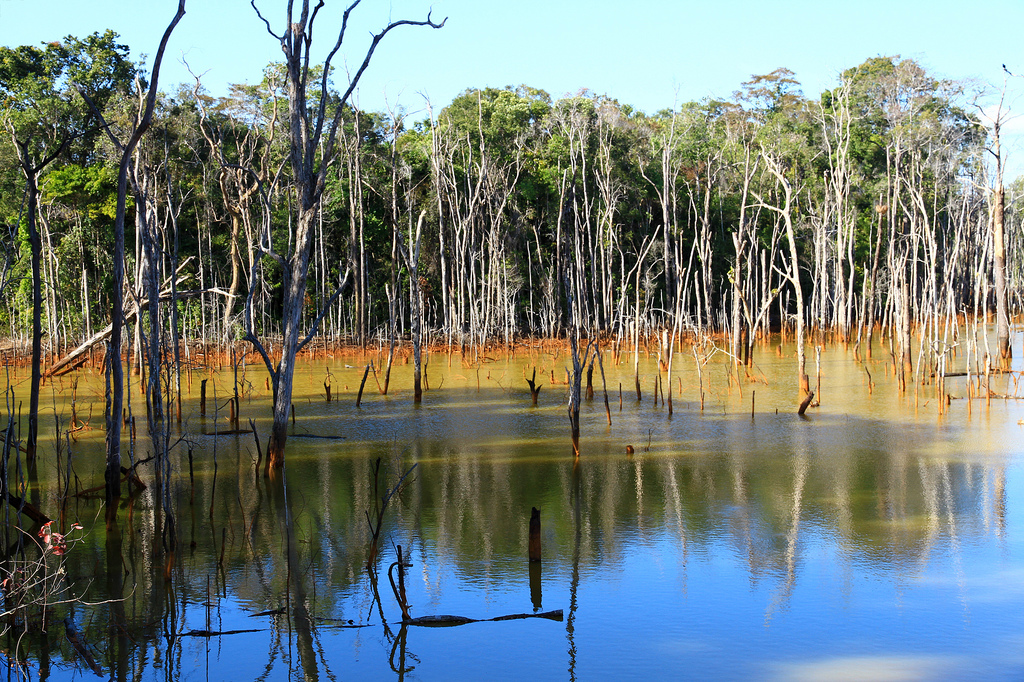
726	545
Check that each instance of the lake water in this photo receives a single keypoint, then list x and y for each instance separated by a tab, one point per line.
875	539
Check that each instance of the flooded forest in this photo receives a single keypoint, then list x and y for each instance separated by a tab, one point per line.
514	385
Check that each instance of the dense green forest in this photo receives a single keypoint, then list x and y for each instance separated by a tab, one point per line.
878	204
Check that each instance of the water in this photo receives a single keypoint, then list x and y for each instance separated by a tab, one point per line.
875	539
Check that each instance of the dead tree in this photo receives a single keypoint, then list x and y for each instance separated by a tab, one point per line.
31	170
412	259
534	388
998	231
312	133
117	317
578	362
774	166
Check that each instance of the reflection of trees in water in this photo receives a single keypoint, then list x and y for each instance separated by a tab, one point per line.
465	517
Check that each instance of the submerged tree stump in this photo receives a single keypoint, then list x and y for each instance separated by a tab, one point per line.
534	388
805	403
534	534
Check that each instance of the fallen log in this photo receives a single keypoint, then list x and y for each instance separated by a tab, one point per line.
212	633
28	509
76	357
126	475
343	623
448	621
275	612
991	370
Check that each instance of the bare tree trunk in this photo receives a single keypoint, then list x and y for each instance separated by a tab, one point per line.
31	169
113	471
999	266
31	175
313	133
296	273
785	212
235	288
415	303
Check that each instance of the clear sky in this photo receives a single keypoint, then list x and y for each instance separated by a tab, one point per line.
646	53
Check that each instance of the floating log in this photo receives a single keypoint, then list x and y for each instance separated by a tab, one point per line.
229	432
211	633
274	612
343	624
447	621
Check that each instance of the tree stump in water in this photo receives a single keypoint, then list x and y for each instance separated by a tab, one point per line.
362	385
534	388
534	534
805	403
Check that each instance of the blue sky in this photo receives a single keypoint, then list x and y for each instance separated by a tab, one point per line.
650	54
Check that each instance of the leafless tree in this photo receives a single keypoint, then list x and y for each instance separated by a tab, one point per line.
312	131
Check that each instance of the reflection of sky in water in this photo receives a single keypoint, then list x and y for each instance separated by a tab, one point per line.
866	542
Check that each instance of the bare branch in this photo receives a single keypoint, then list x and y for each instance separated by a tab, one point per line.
358	75
264	20
323	311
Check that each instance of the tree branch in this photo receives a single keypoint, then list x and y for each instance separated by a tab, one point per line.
264	20
323	311
329	150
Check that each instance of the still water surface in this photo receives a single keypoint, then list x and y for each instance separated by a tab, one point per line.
873	540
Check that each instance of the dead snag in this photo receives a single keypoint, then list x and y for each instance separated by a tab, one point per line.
604	386
534	534
362	385
534	388
805	403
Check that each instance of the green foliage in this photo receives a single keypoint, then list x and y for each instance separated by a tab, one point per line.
89	190
40	86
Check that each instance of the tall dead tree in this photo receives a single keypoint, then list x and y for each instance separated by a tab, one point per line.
998	231
239	182
411	256
112	474
31	170
312	132
784	212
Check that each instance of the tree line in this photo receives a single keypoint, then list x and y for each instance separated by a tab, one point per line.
279	213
